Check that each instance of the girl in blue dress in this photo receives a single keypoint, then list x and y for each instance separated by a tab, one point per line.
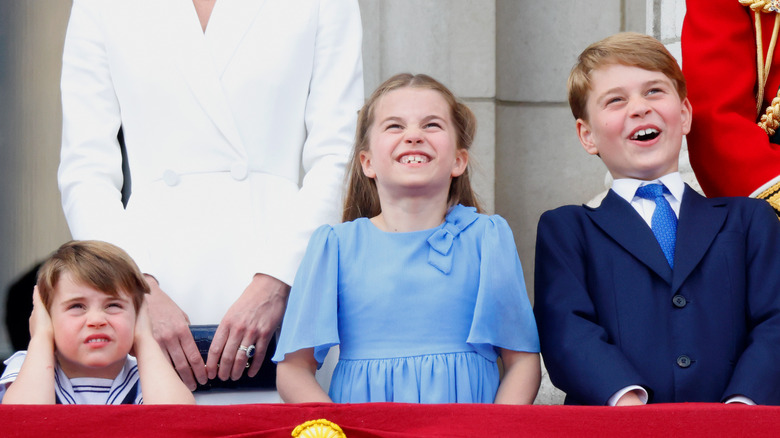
420	290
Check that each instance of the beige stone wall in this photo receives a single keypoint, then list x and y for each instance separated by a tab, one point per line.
452	40
31	220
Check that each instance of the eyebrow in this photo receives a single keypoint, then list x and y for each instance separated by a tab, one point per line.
73	300
108	298
649	83
427	118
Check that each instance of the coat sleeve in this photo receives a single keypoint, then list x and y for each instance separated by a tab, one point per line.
730	154
756	374
579	356
335	96
90	174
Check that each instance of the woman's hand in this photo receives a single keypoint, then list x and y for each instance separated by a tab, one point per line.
251	320
171	329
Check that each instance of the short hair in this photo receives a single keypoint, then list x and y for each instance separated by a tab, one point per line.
99	265
626	48
362	198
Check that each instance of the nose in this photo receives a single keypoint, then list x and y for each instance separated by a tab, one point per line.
96	318
639	107
413	137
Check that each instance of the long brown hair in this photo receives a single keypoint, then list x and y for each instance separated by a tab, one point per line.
362	199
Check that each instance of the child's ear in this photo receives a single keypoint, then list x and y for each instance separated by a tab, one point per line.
585	134
365	163
461	162
687	116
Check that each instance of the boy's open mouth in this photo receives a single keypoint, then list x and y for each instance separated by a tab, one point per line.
645	134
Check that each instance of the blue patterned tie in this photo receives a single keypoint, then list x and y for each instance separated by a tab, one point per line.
664	222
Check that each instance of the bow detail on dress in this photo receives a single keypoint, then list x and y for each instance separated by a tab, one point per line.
457	220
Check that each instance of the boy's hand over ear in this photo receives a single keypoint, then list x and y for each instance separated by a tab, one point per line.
40	320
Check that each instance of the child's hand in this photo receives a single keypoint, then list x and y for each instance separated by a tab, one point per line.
35	381
40	320
630	398
160	383
143	325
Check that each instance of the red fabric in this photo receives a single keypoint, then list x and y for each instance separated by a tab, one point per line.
393	420
729	153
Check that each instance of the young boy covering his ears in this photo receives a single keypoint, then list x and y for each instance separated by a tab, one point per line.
89	314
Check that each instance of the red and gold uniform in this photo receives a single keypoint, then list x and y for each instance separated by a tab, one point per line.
731	154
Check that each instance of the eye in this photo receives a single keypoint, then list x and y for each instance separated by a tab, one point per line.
432	125
655	90
78	306
393	126
613	100
115	306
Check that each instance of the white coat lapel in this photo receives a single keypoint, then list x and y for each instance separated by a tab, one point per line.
197	67
230	21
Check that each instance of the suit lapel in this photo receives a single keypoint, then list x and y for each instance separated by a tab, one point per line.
700	221
229	23
618	219
189	50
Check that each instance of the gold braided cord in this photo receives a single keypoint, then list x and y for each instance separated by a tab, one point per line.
769	121
760	63
772	45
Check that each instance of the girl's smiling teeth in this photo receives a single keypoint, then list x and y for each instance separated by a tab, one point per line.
645	134
97	340
413	159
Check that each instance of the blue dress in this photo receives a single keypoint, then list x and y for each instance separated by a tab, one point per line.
418	315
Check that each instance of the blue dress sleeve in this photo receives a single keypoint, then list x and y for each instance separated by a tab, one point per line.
503	317
311	318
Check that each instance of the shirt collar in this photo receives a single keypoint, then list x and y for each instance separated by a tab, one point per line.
626	187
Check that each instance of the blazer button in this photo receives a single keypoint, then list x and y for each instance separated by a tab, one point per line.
679	301
239	170
171	178
683	361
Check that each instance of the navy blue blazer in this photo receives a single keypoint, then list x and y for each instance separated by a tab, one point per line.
612	313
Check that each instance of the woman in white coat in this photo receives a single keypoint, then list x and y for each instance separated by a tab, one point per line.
238	118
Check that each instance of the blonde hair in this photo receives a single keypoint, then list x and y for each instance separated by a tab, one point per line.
362	198
626	48
99	265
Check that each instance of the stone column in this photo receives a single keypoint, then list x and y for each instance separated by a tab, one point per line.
32	224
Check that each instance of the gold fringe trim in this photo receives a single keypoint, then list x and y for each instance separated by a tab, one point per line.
772	195
318	429
765	6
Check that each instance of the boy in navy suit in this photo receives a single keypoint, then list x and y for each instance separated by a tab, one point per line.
659	294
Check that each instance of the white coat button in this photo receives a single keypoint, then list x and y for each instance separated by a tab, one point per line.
171	178
239	170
